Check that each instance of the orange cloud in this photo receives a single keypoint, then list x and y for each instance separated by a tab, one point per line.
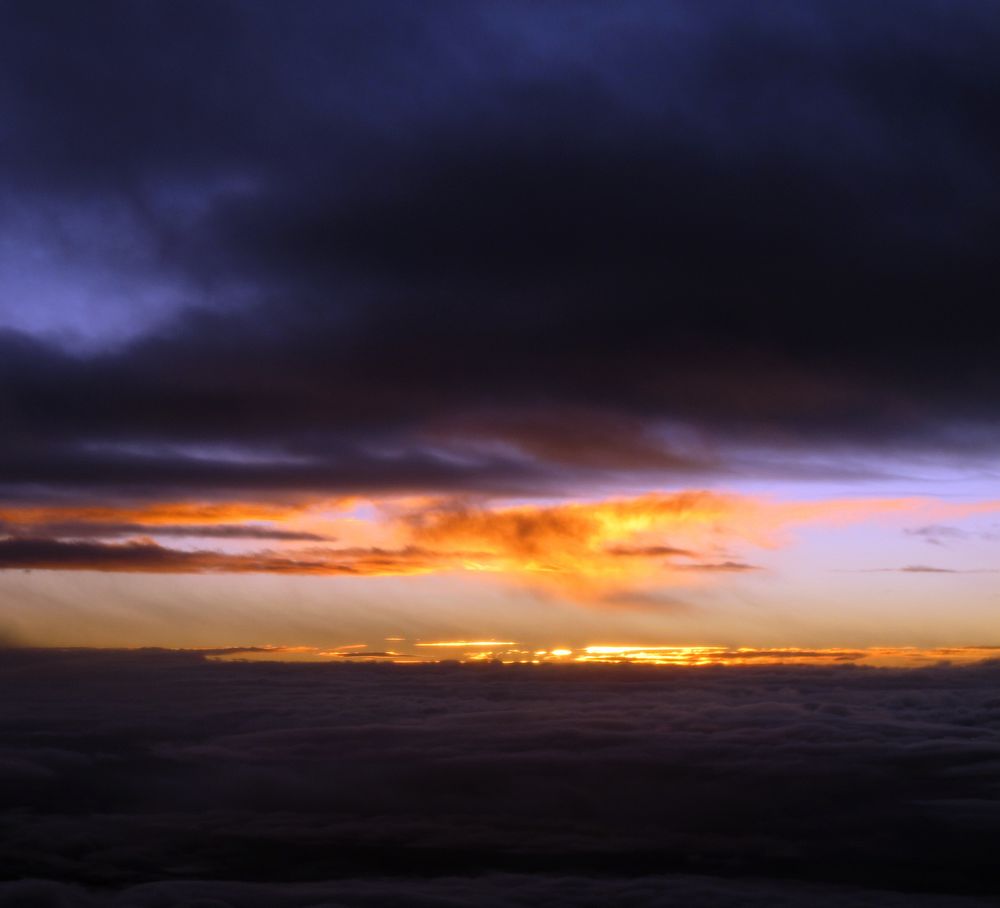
589	538
688	530
642	654
587	549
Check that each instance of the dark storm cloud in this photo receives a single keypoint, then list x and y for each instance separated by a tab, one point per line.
489	245
151	774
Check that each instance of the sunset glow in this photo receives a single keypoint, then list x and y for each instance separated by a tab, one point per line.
682	656
651	563
499	453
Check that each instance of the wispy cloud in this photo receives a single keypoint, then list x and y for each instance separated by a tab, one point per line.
925	569
943	534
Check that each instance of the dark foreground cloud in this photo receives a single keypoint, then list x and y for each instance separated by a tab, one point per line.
488	891
143	778
494	246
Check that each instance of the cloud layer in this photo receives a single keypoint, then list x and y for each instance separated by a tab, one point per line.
491	247
790	785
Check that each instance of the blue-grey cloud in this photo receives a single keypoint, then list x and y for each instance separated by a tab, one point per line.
492	246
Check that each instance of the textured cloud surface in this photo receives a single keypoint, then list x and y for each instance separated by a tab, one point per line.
788	785
491	246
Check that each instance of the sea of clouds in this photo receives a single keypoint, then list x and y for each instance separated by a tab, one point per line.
158	779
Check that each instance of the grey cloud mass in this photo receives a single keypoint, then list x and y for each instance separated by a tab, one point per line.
486	246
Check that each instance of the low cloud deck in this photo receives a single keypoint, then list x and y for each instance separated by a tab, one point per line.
147	778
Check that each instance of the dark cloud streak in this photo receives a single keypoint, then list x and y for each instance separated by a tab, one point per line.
146	556
110	530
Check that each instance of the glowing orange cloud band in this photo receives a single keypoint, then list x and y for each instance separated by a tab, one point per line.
676	537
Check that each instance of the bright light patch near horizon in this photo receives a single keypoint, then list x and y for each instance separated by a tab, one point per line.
613	654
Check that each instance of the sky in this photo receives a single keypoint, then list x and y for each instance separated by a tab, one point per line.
531	326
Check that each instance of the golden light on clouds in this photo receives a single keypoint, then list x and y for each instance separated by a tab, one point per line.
637	654
593	550
611	551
